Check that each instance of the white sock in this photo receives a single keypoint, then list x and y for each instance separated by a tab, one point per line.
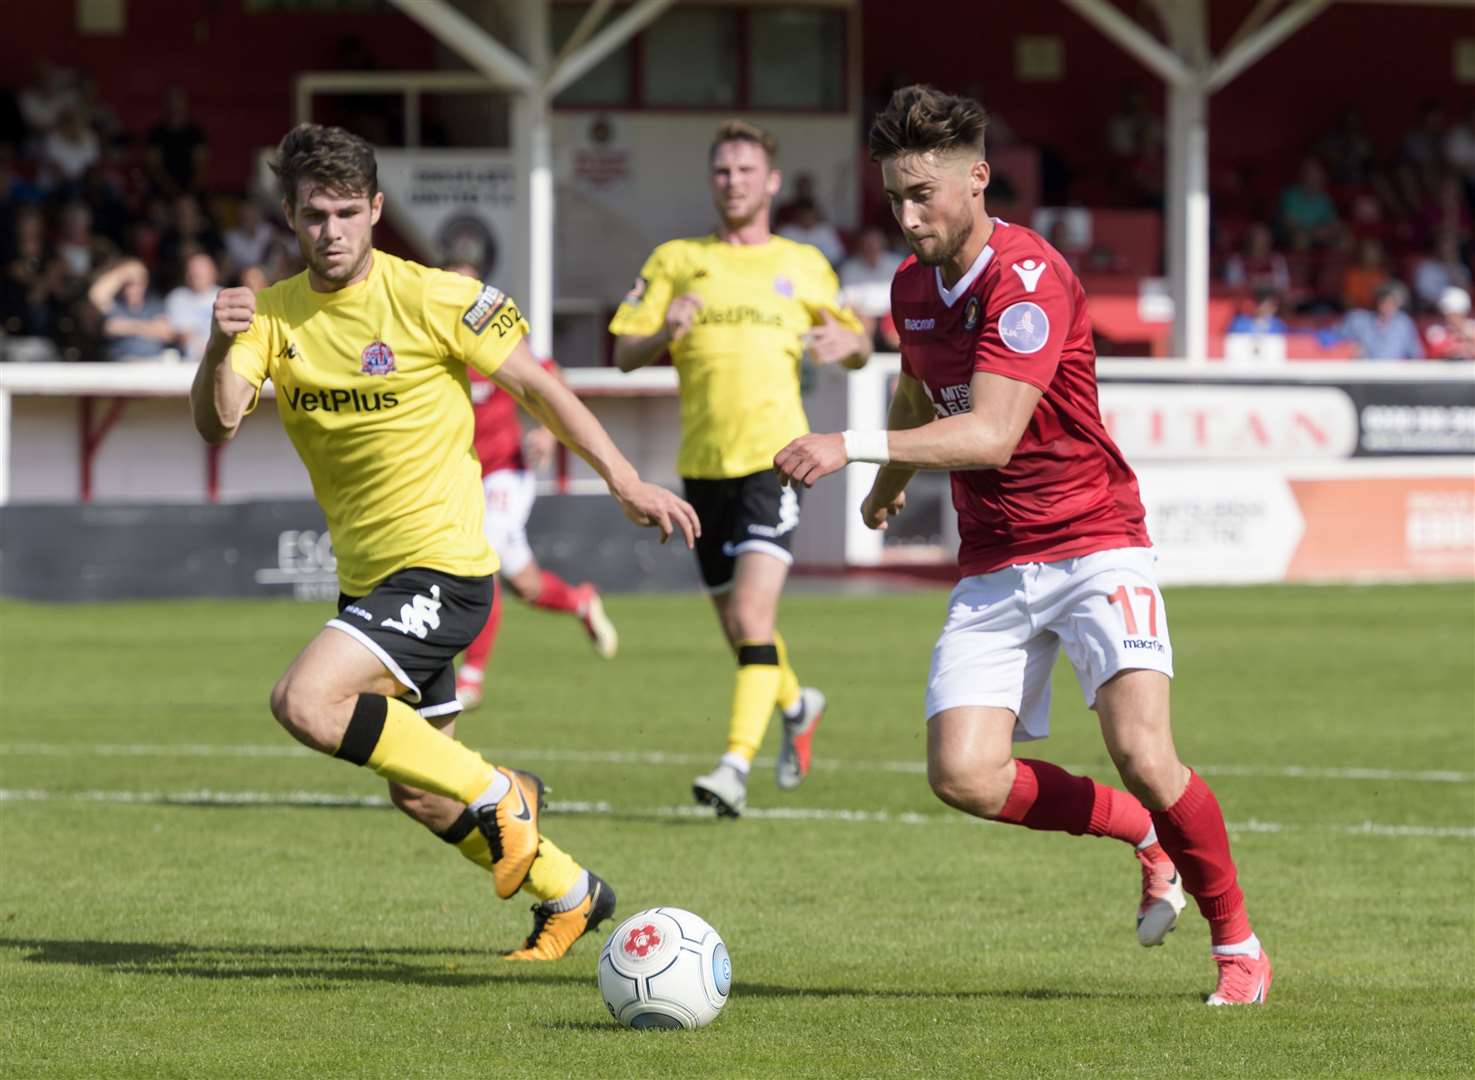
1250	947
470	673
1148	840
573	898
798	710
737	761
501	784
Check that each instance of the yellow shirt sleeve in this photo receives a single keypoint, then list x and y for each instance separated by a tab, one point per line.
822	294
477	324
250	353
643	310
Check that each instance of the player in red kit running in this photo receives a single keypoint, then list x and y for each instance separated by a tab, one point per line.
508	461
998	386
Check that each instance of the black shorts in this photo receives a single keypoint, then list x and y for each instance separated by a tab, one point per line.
745	513
417	622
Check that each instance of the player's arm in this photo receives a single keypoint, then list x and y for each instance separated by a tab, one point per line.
552	403
637	350
220	396
909	409
983	438
833	342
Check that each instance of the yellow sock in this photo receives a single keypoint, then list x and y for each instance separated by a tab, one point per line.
753	696
788	682
396	742
474	846
553	872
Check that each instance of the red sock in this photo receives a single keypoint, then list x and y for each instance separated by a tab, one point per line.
1046	797
555	594
1192	832
481	647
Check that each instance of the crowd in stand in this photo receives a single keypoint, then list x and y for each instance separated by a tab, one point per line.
111	246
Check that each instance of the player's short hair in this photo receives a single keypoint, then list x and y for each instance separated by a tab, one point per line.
742	131
336	160
920	119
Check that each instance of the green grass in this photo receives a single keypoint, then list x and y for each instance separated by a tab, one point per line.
161	938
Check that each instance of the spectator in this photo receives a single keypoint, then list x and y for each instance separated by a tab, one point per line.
70	149
1423	144
1347	151
254	278
1362	280
1453	337
178	147
81	251
1258	266
189	228
42	102
134	325
804	192
1306	211
810	227
865	285
1438	271
249	242
1459	153
1386	333
1134	139
1444	210
34	281
1264	318
189	308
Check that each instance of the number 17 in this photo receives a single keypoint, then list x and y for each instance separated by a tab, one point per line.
1129	618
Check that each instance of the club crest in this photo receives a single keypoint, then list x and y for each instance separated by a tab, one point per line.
970	314
378	359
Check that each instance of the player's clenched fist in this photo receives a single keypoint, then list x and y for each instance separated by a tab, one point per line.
234	309
876	515
681	314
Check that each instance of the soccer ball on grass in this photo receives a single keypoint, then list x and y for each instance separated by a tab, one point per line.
664	968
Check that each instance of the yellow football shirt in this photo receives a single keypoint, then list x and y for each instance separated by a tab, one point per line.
371	386
738	365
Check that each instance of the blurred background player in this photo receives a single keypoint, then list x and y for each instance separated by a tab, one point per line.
737	309
509	462
998	386
372	392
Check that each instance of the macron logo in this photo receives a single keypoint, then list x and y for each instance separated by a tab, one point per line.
919	324
1029	273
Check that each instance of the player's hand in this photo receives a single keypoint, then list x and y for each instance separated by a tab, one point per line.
651	504
681	313
830	342
810	457
233	311
539	446
876	515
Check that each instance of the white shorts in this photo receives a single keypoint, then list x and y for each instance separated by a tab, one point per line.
1004	630
510	494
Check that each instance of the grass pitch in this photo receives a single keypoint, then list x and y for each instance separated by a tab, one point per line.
184	893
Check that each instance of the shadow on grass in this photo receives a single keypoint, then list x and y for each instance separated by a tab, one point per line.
324	965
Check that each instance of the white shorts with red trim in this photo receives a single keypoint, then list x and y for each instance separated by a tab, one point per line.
510	494
1005	629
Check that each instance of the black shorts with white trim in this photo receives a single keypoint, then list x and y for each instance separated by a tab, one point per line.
738	515
417	621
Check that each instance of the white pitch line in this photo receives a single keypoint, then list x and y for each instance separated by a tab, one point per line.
662	758
288	799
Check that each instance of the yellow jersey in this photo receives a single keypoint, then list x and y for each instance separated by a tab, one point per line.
738	365
371	386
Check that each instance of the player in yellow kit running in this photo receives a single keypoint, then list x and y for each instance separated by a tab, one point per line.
369	354
736	310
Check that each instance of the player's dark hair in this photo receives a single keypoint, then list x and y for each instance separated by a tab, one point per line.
919	119
335	160
742	131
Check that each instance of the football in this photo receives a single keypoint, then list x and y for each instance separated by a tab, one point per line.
664	968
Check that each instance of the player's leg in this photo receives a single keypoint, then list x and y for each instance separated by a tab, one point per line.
513	492
471	678
1116	630
572	900
343	695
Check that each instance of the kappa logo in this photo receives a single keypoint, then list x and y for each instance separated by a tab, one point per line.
290	351
420	616
487	303
378	359
1024	327
1029	273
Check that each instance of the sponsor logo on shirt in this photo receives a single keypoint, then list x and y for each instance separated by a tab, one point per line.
970	314
738	314
486	304
378	359
952	400
1029	272
299	400
918	324
1024	327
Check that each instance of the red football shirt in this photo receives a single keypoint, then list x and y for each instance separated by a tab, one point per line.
1020	312
498	435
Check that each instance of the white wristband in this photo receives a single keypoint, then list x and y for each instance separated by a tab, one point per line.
872	446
